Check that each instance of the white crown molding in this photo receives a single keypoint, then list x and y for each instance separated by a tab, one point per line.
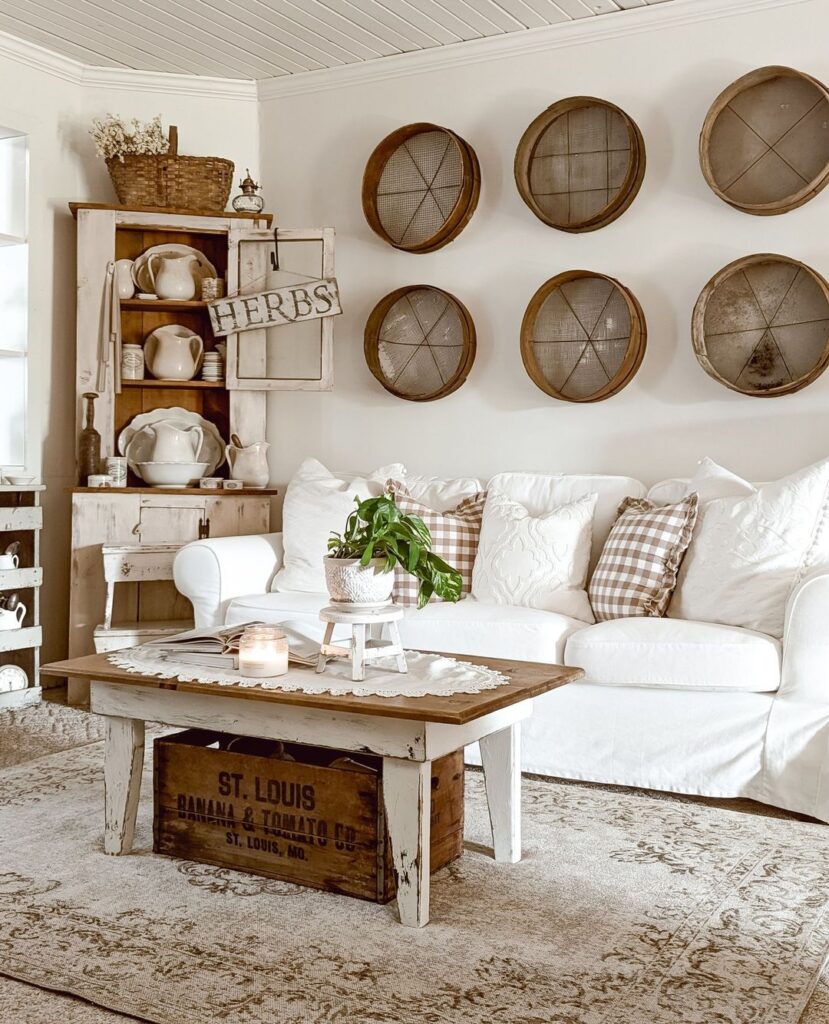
170	84
69	70
514	44
41	59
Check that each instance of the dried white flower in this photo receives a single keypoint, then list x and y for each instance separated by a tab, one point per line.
113	138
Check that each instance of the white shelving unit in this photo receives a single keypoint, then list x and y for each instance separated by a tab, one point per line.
21	518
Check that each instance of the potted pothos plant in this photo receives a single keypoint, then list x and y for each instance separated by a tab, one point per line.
377	537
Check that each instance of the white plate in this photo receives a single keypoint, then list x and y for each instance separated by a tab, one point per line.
140	272
212	450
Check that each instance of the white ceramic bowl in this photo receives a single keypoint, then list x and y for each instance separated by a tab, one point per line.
20	481
171	474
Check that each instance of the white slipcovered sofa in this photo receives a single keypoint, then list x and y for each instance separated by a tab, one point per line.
668	704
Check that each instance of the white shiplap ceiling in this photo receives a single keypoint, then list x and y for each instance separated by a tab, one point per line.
260	39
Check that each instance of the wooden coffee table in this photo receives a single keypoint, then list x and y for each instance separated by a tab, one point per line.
407	732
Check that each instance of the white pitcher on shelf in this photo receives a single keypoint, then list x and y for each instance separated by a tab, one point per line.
248	464
173	352
172	276
175	443
12	618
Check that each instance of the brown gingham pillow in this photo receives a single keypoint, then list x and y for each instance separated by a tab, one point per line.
455	535
636	574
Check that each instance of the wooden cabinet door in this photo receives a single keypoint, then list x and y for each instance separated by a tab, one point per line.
237	517
170	520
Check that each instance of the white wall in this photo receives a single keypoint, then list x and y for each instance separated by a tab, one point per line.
47	110
665	247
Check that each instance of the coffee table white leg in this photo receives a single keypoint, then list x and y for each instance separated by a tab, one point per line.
501	758
407	792
123	764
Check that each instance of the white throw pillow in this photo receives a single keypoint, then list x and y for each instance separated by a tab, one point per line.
712	481
535	561
316	502
439	493
751	546
540	493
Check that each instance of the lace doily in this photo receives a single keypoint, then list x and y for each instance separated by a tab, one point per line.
429	675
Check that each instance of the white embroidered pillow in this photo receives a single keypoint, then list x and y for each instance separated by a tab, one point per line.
535	561
316	502
750	549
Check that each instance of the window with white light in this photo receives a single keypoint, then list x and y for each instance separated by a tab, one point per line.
14	266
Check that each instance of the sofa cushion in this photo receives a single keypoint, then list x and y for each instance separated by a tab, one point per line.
535	561
676	655
318	501
542	492
468	627
752	546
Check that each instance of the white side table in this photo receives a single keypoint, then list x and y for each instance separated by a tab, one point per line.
362	648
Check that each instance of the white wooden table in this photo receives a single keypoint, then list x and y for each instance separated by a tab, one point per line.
408	733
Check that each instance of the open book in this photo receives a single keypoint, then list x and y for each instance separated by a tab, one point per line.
219	648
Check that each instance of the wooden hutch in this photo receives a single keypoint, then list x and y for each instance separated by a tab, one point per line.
139	514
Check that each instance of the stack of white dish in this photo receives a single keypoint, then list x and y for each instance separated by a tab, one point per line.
171	447
212	367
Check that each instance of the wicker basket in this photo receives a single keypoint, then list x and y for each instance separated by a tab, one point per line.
192	182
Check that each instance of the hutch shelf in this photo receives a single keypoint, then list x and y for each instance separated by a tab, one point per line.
21	519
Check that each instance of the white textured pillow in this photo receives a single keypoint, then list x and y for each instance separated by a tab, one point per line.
316	502
712	481
535	561
750	548
439	493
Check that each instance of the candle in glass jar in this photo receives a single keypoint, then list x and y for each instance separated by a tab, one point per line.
263	651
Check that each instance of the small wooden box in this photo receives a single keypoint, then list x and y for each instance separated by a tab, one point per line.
317	820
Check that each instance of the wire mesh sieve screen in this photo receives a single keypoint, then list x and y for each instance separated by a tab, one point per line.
420	343
580	341
766	140
762	326
580	163
420	187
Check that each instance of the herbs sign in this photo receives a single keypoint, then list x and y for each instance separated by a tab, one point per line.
292	304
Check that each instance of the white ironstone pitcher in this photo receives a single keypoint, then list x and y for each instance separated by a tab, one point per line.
174	442
250	465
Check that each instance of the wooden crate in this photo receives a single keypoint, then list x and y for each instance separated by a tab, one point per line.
317	820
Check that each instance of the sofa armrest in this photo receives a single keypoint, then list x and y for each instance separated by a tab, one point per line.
806	641
210	573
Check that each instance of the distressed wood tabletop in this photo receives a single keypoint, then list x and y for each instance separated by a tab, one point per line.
525	679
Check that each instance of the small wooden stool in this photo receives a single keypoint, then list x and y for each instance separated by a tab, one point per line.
360	648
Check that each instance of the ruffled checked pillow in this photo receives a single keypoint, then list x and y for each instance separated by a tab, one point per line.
455	534
638	567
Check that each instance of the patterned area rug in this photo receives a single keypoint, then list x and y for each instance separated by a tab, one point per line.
628	908
32	732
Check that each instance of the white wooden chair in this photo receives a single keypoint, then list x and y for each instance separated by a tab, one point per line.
135	563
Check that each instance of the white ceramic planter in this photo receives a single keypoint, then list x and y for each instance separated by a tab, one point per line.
363	586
